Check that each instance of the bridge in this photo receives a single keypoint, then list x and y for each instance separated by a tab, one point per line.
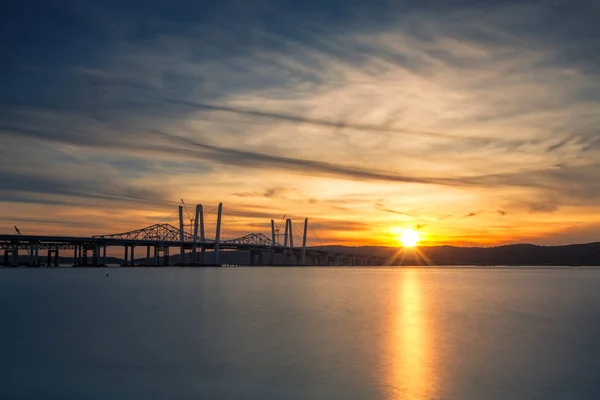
165	244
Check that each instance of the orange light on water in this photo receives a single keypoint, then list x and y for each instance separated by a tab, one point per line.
410	373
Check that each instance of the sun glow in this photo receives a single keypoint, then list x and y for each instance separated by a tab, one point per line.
408	237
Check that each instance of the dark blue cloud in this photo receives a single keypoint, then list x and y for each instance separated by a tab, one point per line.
45	44
99	67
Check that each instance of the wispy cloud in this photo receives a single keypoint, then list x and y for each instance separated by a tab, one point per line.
489	109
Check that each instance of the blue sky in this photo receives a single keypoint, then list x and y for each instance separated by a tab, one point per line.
475	122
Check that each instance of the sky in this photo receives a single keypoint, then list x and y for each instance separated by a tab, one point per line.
476	123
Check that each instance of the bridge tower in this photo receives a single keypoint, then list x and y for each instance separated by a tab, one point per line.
218	233
181	234
304	241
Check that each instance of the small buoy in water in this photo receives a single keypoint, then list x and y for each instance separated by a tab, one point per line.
106	274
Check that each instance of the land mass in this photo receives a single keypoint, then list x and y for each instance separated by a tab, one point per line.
516	254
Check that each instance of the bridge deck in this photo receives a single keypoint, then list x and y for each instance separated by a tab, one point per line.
13	244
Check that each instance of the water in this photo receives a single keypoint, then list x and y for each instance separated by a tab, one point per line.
300	333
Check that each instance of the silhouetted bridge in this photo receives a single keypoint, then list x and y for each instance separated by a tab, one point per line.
157	242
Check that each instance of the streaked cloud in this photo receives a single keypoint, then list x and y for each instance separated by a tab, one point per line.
426	114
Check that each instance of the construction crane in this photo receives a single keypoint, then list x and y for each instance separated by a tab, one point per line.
19	233
189	215
279	228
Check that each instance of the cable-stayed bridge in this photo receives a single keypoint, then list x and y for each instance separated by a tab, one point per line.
201	239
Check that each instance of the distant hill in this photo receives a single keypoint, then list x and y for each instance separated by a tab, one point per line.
517	254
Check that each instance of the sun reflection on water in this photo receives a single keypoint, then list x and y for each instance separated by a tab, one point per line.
410	373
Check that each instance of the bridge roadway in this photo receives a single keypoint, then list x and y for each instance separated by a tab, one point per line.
92	251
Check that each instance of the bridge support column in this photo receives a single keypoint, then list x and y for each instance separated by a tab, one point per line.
31	253
155	262
75	256
126	255
132	255
15	255
148	262
95	254
104	255
218	233
166	256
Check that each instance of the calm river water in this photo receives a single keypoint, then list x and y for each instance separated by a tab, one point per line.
300	333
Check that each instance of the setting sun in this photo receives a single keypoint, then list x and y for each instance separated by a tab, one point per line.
409	238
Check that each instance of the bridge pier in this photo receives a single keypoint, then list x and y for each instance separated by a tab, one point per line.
164	259
8	257
30	252
254	254
49	258
15	254
95	255
33	255
131	261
